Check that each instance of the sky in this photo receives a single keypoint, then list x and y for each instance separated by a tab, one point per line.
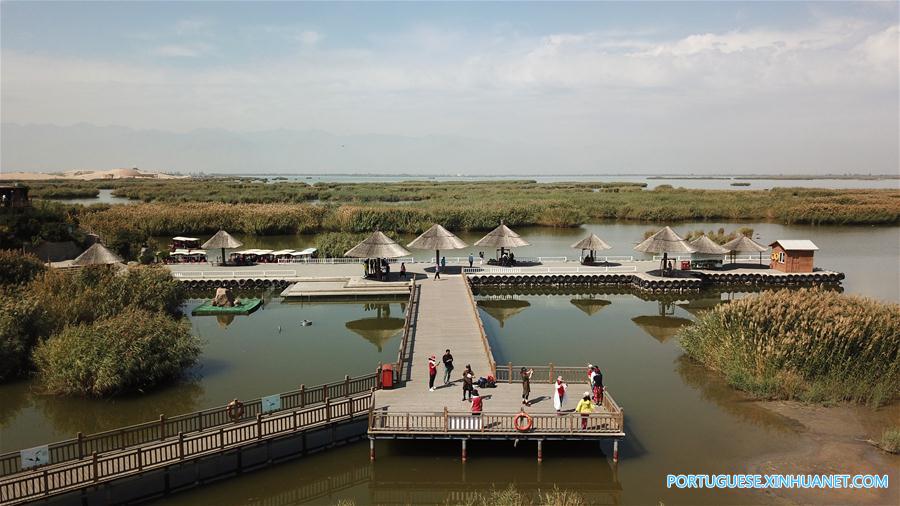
464	87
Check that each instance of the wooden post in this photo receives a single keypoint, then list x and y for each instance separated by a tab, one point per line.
180	446
407	422
199	420
259	426
347	385
509	365
140	460
463	450
80	437
46	483
302	396
446	421
616	450
221	438
95	467
327	408
372	449
162	427
540	443
552	376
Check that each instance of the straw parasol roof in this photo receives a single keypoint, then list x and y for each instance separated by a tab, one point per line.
590	306
744	244
377	331
660	328
502	237
222	240
707	246
377	245
437	238
97	254
664	241
591	242
504	309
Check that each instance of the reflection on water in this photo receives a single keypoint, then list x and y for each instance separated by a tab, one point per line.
660	328
590	306
503	309
378	330
224	320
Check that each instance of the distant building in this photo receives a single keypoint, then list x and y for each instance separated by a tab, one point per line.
793	255
13	196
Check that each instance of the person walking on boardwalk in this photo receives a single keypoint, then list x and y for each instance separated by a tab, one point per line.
402	270
432	372
526	384
471	260
477	403
437	271
585	407
597	385
559	394
468	379
443	263
447	359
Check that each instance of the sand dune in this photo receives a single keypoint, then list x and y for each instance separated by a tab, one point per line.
87	175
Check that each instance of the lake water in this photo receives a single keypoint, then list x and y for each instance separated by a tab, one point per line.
104	197
679	417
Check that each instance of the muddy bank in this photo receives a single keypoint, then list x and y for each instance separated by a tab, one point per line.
832	440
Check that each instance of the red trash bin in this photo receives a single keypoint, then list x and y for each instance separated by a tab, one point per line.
685	265
387	376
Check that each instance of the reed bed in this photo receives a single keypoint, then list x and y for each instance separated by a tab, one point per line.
807	344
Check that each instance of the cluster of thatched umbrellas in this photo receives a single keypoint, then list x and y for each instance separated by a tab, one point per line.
667	242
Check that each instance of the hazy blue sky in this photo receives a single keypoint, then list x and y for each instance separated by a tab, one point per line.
452	87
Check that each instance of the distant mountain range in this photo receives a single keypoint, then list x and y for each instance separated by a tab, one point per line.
86	146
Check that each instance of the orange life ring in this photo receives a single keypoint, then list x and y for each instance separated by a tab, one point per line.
528	422
235	410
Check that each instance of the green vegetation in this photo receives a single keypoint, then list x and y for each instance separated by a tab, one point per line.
808	344
36	313
512	496
131	351
890	440
62	190
335	244
17	268
47	221
740	184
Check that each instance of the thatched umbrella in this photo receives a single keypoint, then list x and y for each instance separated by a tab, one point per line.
502	237
590	306
377	245
222	240
707	246
437	238
591	243
376	330
660	328
97	254
503	309
665	241
744	244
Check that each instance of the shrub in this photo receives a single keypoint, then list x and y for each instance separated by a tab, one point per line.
134	350
20	328
890	440
17	268
809	344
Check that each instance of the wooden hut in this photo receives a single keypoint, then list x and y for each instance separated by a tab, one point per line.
793	255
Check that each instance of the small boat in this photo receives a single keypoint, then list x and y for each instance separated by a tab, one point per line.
305	323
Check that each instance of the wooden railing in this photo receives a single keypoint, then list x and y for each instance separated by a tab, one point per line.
602	424
399	366
484	338
168	427
510	373
55	479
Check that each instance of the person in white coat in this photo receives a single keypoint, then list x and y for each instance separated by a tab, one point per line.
559	394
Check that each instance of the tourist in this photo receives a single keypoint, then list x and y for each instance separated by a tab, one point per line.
559	394
585	407
477	403
432	372
526	384
590	374
597	385
437	271
447	359
402	270
471	260
443	263
468	379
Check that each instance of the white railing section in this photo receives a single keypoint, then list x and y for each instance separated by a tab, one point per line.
279	274
737	258
549	270
340	260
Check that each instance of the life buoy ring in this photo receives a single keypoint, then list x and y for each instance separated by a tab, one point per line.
528	422
235	410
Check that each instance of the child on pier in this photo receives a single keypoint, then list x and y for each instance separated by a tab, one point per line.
526	384
559	394
477	403
432	372
585	407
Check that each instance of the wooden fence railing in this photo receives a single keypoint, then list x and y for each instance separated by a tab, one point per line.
168	427
399	367
484	338
55	479
510	373
610	423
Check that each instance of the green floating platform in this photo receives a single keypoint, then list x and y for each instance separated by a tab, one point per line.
246	306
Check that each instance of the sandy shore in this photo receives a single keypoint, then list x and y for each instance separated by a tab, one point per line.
833	440
87	175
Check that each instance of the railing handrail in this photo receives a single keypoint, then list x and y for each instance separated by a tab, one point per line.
93	469
550	270
166	427
278	273
482	333
450	422
407	328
